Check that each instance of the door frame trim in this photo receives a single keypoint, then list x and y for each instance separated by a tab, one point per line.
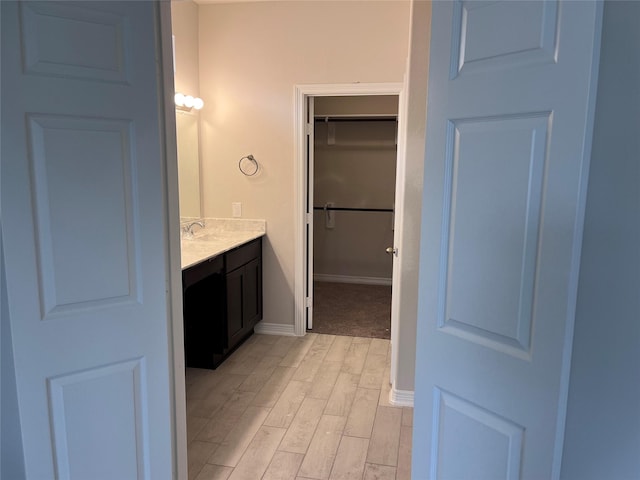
301	93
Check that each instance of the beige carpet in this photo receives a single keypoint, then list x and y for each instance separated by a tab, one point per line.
351	309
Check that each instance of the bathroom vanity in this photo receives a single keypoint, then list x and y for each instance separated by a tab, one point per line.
222	290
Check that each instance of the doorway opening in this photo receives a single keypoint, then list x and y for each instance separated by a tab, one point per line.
352	177
305	97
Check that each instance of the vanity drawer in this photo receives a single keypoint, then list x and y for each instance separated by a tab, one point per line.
243	254
202	270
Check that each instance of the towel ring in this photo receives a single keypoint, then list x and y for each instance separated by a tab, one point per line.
248	165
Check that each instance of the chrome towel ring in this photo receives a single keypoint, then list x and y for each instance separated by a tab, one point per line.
248	165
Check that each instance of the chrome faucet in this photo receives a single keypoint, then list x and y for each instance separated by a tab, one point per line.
188	228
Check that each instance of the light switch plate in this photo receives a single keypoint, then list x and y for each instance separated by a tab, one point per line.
236	208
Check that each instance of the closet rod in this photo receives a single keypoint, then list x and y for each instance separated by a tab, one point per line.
364	118
345	209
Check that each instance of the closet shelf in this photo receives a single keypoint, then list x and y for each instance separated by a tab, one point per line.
355	146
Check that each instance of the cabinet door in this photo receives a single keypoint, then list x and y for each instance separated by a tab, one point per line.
244	300
252	293
235	321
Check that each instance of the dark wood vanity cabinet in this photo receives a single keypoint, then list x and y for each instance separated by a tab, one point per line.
203	306
222	303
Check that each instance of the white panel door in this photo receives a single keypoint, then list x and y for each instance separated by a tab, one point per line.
309	167
84	234
511	92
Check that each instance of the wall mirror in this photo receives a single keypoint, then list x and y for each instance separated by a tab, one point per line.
187	130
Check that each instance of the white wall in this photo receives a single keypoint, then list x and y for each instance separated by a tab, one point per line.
602	436
251	57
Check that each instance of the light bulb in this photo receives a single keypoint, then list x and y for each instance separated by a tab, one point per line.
188	101
179	99
198	103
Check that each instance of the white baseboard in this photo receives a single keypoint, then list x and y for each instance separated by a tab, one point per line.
324	277
401	398
274	329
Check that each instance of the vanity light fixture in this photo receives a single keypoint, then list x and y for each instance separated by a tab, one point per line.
198	103
187	102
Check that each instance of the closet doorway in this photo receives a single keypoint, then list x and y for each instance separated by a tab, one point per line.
352	165
305	96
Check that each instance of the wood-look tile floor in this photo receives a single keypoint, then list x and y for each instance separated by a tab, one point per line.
312	407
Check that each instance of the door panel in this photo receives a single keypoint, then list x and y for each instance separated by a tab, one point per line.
69	154
511	91
101	39
481	428
495	182
87	444
235	294
521	33
84	231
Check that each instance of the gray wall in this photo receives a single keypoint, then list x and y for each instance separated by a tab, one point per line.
417	75
602	437
11	458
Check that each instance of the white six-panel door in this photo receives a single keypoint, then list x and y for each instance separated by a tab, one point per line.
511	92
84	232
309	168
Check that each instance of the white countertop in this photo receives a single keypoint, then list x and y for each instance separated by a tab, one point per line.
219	235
